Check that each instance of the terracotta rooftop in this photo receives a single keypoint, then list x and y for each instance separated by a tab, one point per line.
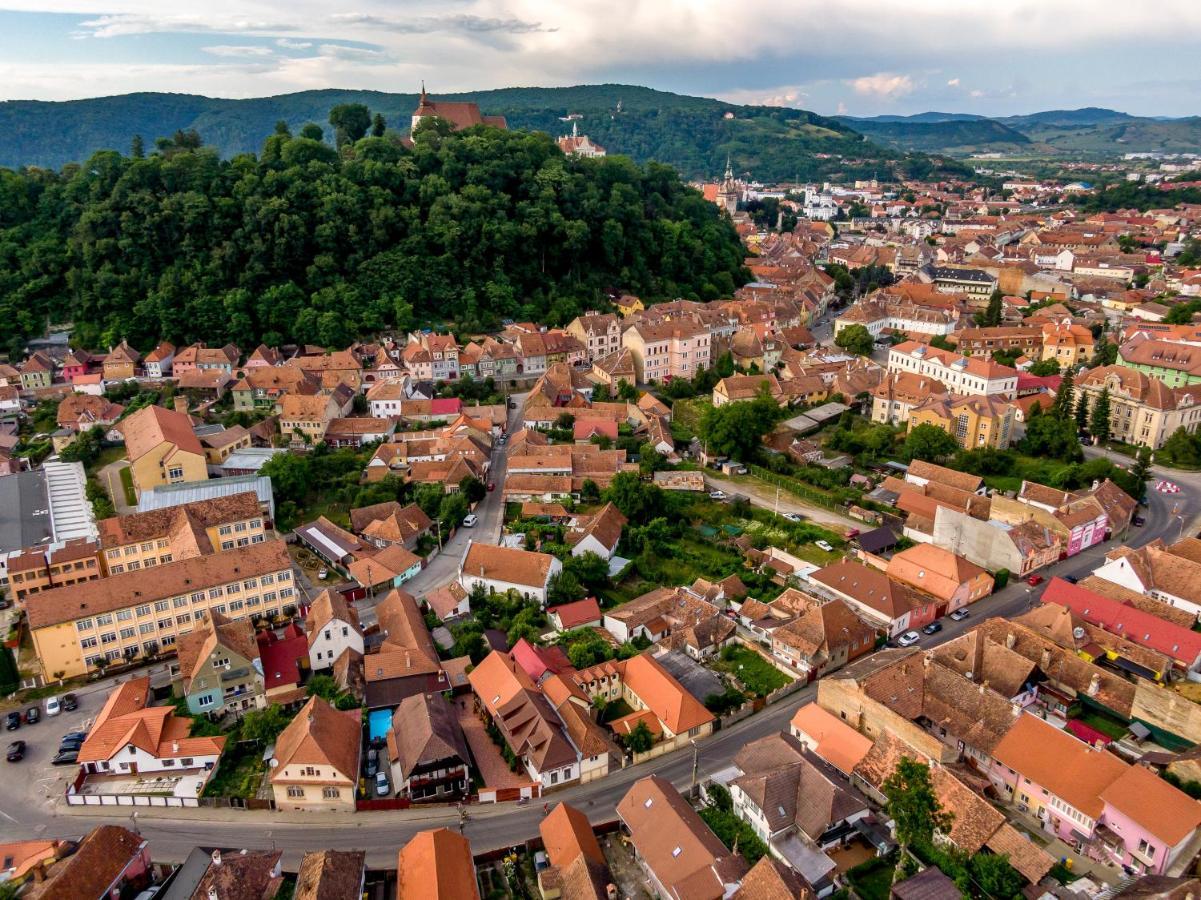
320	735
436	865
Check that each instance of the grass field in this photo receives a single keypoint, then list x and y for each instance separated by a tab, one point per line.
756	674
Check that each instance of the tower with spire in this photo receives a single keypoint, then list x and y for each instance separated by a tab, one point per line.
727	191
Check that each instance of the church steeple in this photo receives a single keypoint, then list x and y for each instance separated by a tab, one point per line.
729	171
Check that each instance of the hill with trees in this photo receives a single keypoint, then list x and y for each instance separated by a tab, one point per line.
957	135
316	243
694	134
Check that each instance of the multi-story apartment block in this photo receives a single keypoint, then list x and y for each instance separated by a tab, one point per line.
147	539
37	569
76	627
600	333
667	350
958	374
1142	409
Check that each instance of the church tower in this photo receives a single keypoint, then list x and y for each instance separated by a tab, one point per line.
425	109
727	191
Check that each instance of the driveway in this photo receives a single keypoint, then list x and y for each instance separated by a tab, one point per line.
110	477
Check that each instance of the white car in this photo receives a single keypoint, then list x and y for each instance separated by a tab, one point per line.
908	639
53	706
717	495
471	520
825	545
793	517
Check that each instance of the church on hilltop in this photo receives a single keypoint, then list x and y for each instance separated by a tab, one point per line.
458	114
580	144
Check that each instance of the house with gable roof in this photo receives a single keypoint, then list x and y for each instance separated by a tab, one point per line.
315	765
219	667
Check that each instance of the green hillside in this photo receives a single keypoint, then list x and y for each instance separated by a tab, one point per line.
691	133
1115	137
959	136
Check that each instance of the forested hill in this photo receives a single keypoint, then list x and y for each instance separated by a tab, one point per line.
691	133
303	243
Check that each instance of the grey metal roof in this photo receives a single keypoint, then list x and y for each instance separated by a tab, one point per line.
191	491
24	511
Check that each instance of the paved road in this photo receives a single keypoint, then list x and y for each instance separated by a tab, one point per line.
444	567
764	495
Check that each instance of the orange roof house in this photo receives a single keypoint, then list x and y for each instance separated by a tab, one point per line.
316	760
940	573
131	736
829	737
436	865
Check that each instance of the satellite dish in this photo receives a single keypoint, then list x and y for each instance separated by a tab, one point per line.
1078	633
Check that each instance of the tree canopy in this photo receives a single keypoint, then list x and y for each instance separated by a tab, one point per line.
855	339
305	243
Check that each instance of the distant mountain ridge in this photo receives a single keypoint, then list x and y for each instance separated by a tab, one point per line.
694	134
1088	132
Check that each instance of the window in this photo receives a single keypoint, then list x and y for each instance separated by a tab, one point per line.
198	597
142	611
131	550
91	661
268	579
183	619
134	565
83	625
295	791
269	597
205	700
285	592
1147	850
108	637
168	640
180	602
225	529
106	619
554	777
124	615
146	628
331	793
175	473
227	545
127	633
110	655
284	576
165	623
240	526
114	554
234	588
162	605
187	761
250	583
87	643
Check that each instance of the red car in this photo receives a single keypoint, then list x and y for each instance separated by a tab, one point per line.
491	485
1034	580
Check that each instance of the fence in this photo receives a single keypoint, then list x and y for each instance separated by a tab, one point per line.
788	689
799	488
378	804
131	800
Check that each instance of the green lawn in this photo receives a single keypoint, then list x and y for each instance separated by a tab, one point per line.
758	675
872	880
131	496
732	831
239	772
1107	726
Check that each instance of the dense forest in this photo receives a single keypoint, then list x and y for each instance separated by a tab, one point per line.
1137	195
694	134
316	243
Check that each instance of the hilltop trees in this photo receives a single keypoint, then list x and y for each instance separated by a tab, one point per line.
315	246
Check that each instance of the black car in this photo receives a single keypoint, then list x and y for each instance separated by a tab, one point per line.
1139	521
33	715
1070	579
65	758
16	751
12	721
70	702
70	744
932	628
77	736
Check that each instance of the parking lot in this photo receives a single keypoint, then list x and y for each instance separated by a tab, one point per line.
34	780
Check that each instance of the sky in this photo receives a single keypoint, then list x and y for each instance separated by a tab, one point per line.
853	57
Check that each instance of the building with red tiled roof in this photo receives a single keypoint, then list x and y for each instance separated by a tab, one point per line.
890	604
436	865
952	580
129	736
162	448
500	569
578	614
110	861
315	765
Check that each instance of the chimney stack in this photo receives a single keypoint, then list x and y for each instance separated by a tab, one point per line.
216	857
1094	685
1010	640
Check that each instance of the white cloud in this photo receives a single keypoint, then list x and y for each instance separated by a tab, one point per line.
293	45
954	82
236	50
784	95
882	84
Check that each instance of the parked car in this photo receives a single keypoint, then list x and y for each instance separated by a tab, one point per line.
471	520
932	628
53	706
491	486
372	763
852	533
382	788
1070	579
322	574
77	736
65	758
825	545
33	715
1138	521
12	721
66	746
959	615
793	517
1034	580
908	639
16	751
70	703
717	495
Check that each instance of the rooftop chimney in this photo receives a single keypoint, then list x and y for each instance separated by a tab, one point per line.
1010	640
175	746
1094	685
216	857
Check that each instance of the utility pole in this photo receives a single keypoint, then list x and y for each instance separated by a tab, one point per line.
695	762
